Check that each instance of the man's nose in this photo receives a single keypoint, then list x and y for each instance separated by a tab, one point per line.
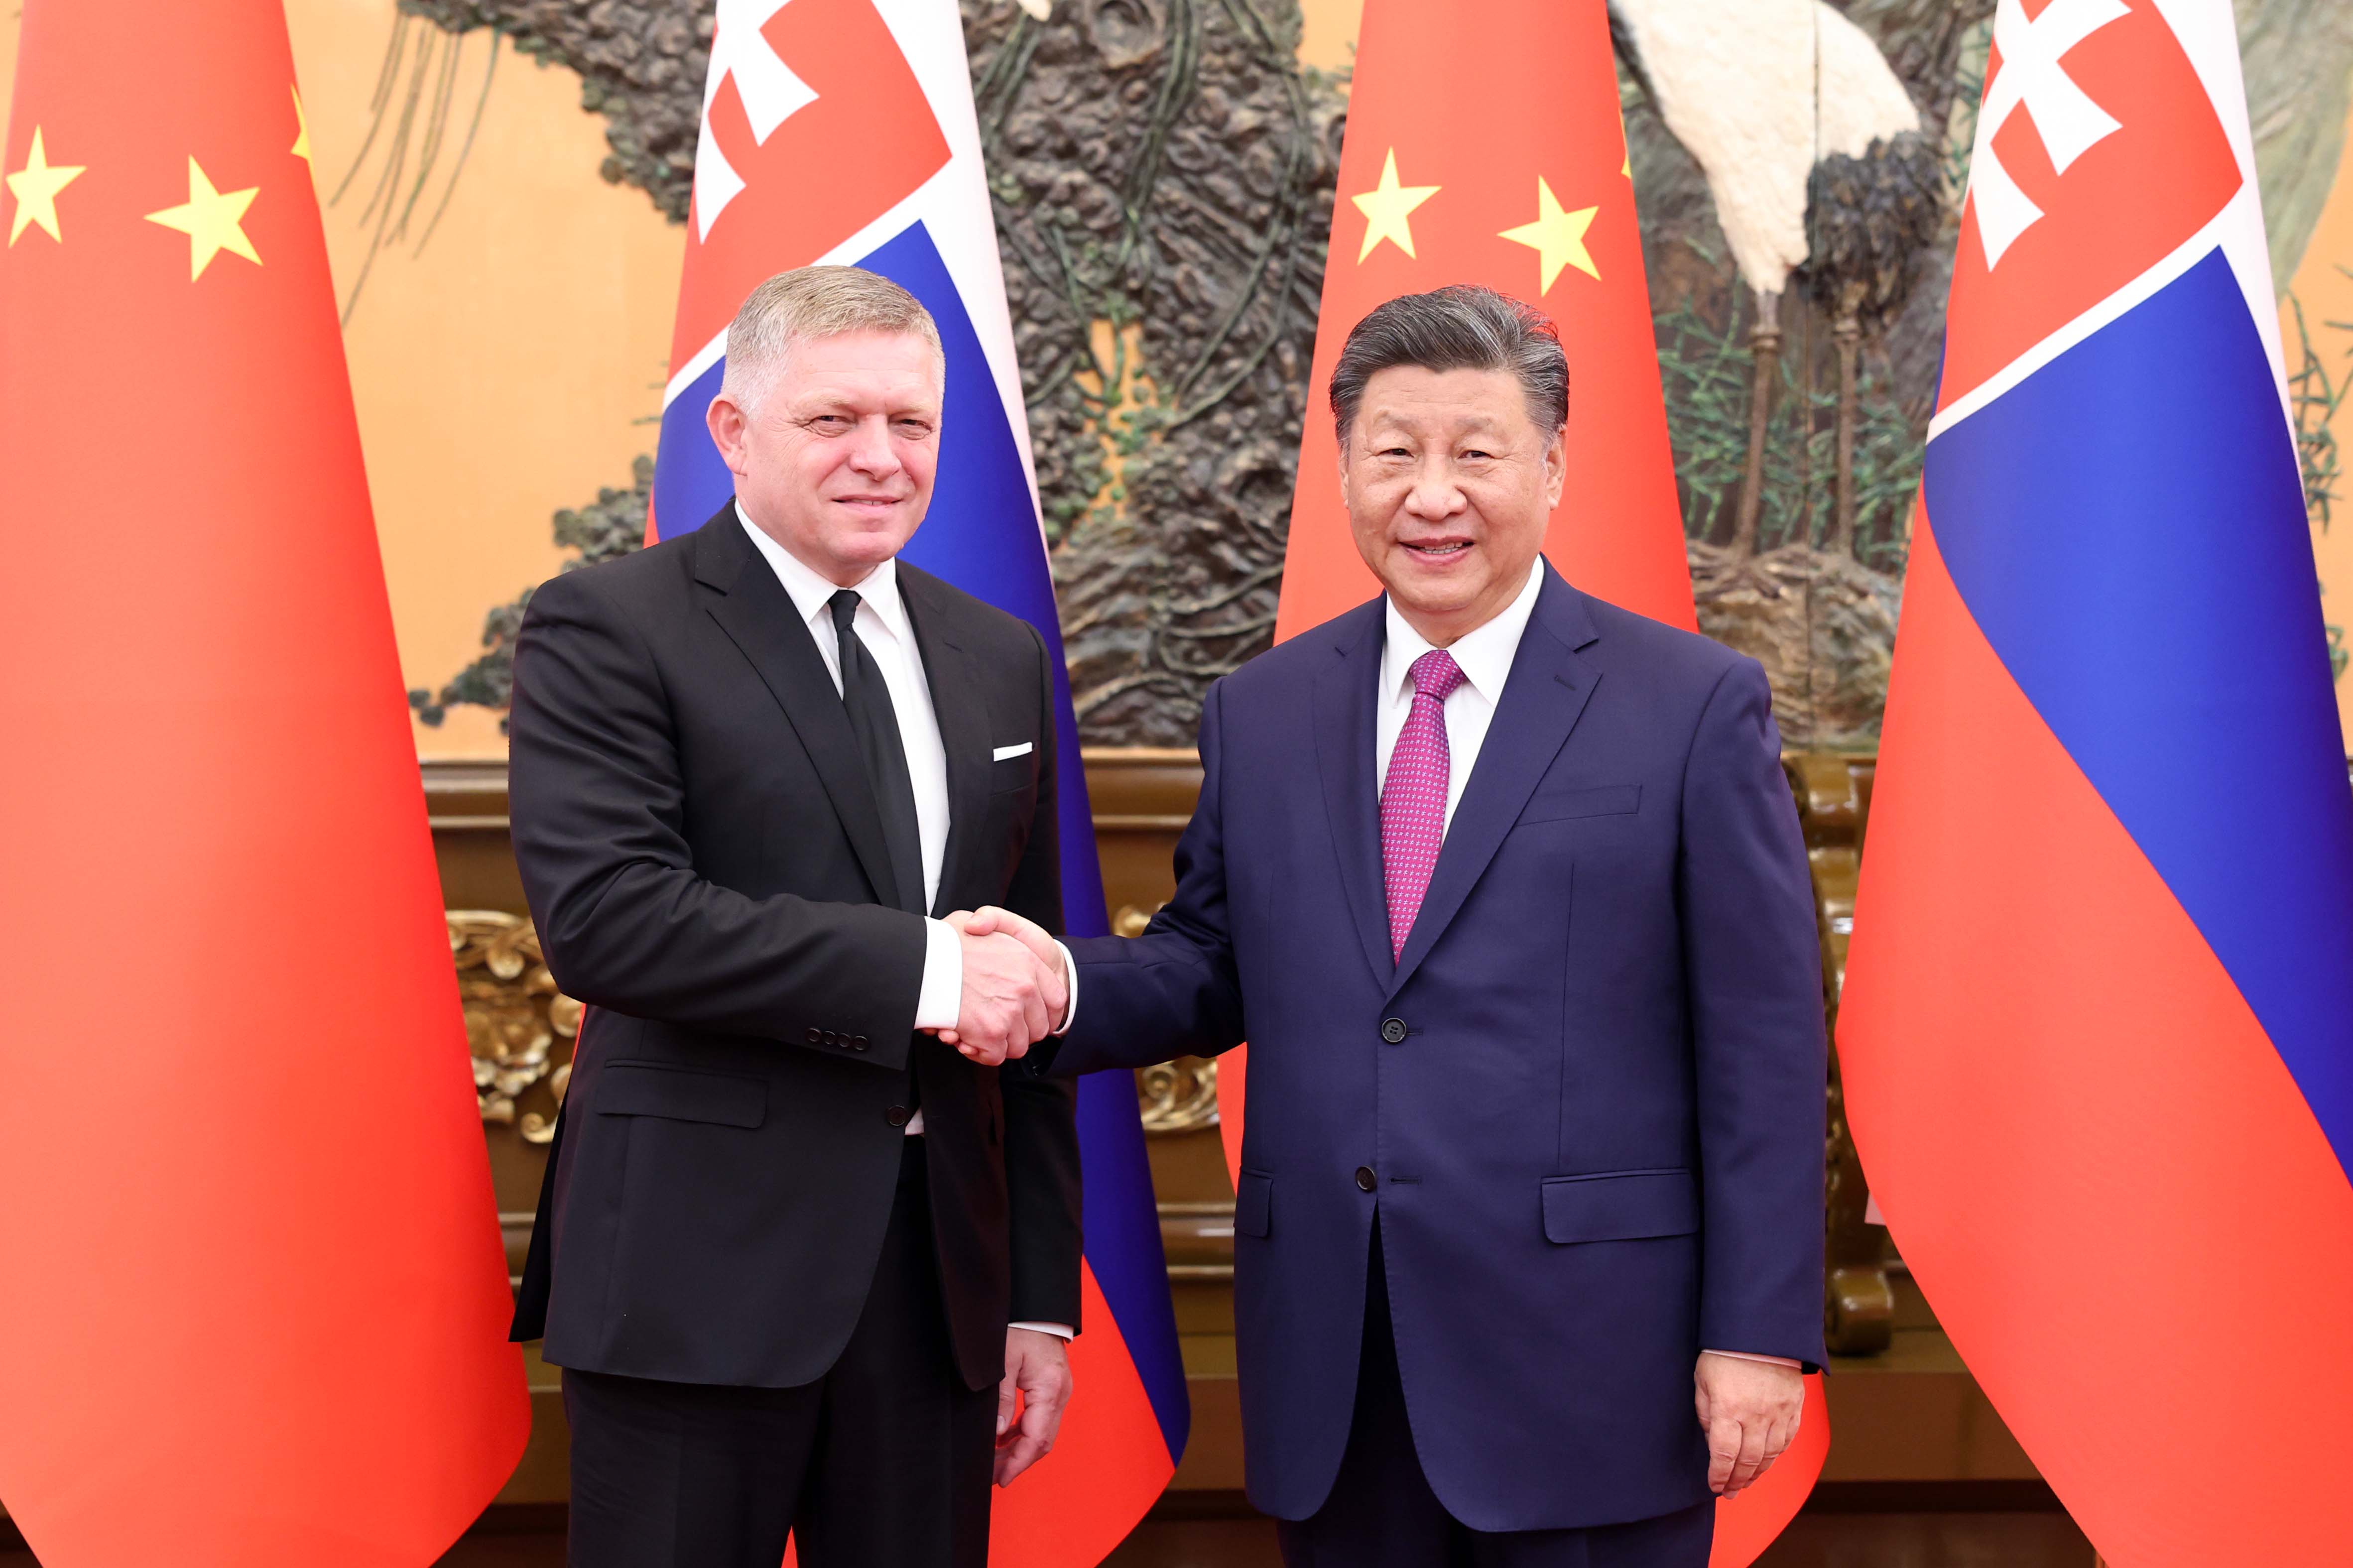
1434	493
871	452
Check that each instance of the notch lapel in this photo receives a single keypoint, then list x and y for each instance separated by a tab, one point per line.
1543	700
752	608
960	702
1345	693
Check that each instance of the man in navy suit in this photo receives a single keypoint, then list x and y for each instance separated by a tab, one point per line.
1504	887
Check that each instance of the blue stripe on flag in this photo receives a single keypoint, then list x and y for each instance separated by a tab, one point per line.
2127	527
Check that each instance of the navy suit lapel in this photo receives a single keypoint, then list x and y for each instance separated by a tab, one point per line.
1543	700
752	608
960	702
1345	693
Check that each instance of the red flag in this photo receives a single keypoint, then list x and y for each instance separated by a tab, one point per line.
254	1300
1484	146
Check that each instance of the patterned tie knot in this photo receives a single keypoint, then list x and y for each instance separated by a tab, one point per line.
1435	675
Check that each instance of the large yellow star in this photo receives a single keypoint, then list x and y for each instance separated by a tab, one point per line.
212	220
36	188
1557	237
301	148
1387	207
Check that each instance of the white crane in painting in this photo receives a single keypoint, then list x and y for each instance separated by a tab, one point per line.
1814	158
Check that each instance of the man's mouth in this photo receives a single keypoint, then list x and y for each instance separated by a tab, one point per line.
1438	549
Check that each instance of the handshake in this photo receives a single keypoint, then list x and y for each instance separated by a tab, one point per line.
1015	991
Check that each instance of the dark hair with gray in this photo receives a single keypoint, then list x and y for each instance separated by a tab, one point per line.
1460	327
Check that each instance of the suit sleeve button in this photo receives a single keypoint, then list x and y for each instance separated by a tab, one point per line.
896	1116
1364	1179
831	1038
858	1042
1393	1030
816	1036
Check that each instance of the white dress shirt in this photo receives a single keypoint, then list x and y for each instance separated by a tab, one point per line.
882	625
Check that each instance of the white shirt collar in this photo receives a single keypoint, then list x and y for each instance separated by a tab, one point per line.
812	594
1483	654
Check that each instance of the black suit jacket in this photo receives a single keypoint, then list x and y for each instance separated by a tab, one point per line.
705	859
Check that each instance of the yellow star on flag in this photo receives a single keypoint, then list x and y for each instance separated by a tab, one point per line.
211	219
1387	207
1557	237
36	188
301	148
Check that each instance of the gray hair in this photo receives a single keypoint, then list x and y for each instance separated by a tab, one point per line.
1461	327
811	302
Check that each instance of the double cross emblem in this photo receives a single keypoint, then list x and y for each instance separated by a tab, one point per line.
772	94
2064	115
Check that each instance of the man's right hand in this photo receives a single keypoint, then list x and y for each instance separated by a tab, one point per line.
1011	999
989	918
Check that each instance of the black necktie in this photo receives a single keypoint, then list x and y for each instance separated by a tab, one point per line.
876	724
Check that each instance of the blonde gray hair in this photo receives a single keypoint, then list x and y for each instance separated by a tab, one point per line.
806	303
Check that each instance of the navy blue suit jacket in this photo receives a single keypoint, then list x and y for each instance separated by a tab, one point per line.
1588	1101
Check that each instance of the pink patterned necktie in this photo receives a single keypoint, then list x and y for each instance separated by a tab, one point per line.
1413	799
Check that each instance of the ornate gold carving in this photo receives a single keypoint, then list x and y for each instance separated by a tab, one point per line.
1175	1097
1179	1096
521	1027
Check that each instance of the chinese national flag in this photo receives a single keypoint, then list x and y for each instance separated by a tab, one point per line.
1484	146
253	1301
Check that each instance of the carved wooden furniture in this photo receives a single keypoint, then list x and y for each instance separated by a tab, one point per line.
1857	1299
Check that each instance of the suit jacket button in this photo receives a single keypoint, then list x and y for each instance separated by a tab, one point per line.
1365	1179
816	1036
896	1116
858	1042
1393	1031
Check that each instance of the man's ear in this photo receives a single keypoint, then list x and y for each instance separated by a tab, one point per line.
1555	467
727	423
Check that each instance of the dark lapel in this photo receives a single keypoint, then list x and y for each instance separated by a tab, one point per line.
1544	695
752	608
960	702
1345	693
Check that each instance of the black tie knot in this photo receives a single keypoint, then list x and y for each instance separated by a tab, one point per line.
845	610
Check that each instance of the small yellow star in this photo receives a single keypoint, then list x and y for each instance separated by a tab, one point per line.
301	148
1387	207
36	188
1557	237
211	219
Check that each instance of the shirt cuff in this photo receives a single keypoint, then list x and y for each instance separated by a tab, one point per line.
1059	1330
1751	1355
941	998
1070	1008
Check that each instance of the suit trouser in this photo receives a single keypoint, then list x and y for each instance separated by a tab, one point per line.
884	1462
1382	1512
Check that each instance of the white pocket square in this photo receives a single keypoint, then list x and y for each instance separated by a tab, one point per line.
1006	754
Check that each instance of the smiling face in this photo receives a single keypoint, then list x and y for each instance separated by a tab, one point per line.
836	463
1449	484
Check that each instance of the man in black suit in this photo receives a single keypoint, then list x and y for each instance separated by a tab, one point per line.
796	1256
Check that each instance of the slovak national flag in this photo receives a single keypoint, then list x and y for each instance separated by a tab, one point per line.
2098	1033
843	131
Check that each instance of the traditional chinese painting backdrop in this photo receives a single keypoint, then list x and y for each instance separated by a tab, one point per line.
505	179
